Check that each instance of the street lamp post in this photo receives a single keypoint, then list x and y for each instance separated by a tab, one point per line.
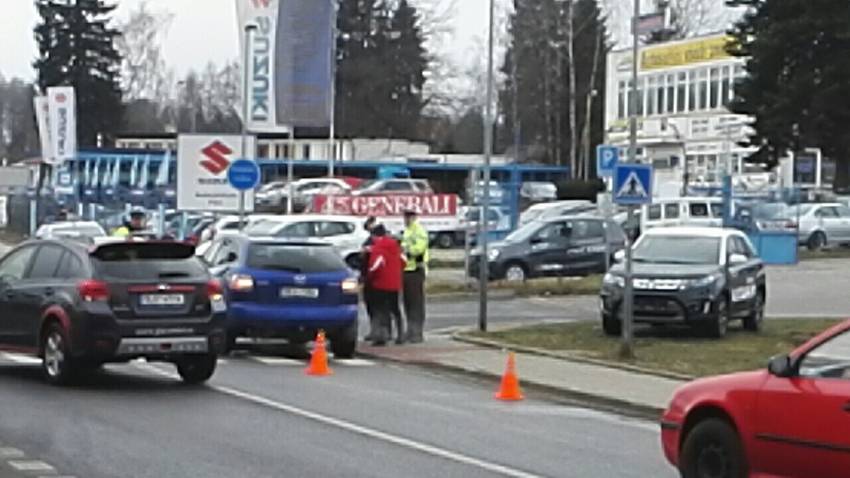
249	29
488	153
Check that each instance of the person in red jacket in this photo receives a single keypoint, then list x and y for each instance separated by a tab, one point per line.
386	266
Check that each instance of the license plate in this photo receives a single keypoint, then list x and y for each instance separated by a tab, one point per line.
162	299
299	292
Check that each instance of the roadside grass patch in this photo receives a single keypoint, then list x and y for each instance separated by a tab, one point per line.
588	285
669	350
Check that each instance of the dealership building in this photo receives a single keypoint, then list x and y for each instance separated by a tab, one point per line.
684	124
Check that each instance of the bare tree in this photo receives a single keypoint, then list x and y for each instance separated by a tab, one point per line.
143	72
688	17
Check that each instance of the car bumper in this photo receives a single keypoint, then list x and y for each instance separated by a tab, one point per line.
671	431
655	307
275	319
496	270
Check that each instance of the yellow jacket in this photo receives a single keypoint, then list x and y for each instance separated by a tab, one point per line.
414	242
122	231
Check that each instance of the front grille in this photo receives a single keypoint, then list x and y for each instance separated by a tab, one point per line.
657	306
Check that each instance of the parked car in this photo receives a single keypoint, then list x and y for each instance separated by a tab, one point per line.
546	210
85	231
789	419
396	186
303	192
821	224
475	192
538	191
571	245
287	288
683	211
344	233
78	307
701	277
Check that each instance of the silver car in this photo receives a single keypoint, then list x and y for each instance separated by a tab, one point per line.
821	224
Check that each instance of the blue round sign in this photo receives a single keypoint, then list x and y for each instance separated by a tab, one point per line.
243	174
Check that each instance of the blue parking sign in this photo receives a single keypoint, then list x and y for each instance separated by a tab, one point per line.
607	157
633	184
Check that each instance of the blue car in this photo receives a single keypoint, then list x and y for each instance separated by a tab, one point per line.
285	289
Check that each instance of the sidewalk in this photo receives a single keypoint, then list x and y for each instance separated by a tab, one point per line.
634	392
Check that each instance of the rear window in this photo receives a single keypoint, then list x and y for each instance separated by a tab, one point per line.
147	261
294	258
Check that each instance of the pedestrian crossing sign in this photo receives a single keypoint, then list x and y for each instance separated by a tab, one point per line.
633	184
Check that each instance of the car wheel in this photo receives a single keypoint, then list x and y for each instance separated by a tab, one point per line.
445	241
713	450
754	321
195	369
515	272
717	326
816	241
344	342
56	361
611	326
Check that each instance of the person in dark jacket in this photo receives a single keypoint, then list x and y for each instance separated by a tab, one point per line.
384	278
364	272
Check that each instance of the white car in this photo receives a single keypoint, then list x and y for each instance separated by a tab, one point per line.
303	191
345	233
71	230
230	225
396	186
821	224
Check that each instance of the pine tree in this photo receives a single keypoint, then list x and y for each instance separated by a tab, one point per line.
408	64
798	77
77	48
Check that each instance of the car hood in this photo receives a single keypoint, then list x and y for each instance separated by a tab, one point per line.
668	270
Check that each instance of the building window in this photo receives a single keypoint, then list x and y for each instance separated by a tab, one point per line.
305	151
702	90
263	151
671	94
652	94
630	108
693	91
726	90
681	93
641	94
659	100
715	88
622	96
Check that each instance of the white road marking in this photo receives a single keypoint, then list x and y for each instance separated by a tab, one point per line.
20	358
277	361
303	363
361	430
30	465
354	362
10	453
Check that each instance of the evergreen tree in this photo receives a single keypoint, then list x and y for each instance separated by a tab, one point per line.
798	77
407	63
77	48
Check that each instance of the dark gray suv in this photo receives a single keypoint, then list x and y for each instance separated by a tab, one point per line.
560	246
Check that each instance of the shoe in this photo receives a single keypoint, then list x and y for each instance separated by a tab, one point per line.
415	340
379	343
399	341
369	338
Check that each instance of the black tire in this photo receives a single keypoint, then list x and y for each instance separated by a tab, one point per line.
516	272
230	344
754	321
445	240
611	326
56	364
344	342
195	369
816	241
717	326
713	449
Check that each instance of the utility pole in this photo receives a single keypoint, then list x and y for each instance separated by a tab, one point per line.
488	153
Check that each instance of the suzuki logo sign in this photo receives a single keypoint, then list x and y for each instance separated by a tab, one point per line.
216	161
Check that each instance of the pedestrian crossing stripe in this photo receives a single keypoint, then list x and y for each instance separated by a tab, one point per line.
632	188
281	361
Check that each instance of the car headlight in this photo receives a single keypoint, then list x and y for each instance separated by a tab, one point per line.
700	282
613	279
350	286
493	254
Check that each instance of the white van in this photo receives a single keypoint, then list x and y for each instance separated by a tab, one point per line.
546	210
683	211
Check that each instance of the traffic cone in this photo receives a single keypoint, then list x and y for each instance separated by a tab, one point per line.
509	390
319	360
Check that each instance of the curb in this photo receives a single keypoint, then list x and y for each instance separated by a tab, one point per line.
569	396
458	336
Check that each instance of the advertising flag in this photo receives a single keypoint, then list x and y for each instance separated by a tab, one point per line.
42	117
62	120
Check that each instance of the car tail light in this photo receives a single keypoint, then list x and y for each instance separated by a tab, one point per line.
214	290
241	283
93	291
350	286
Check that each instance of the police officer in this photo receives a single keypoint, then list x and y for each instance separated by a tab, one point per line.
415	246
133	223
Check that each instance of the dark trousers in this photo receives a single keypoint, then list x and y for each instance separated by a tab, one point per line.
385	309
414	303
369	302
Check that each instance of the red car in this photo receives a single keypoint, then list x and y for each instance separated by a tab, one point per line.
791	420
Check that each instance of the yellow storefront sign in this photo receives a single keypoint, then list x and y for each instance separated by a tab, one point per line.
683	54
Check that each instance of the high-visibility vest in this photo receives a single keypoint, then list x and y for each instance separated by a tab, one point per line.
122	231
414	242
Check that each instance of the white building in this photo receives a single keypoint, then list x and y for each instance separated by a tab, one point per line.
684	88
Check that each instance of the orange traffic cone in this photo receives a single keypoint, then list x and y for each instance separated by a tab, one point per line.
509	390
319	360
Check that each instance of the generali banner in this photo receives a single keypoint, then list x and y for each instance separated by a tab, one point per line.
428	205
62	122
289	62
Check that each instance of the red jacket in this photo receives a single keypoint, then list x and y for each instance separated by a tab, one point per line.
385	264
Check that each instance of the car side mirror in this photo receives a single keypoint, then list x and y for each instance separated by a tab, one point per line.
737	259
620	255
780	366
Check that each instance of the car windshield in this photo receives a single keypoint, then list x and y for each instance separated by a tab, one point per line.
678	250
523	233
302	259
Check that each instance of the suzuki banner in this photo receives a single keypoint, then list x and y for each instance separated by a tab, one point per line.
42	119
62	121
202	164
289	59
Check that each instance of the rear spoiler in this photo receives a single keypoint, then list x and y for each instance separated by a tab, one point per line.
136	250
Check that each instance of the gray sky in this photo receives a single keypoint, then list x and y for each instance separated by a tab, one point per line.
199	34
